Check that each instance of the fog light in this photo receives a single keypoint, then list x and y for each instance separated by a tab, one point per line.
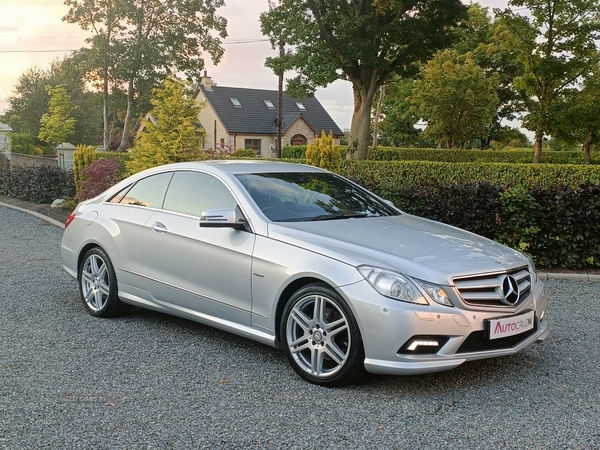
423	344
415	344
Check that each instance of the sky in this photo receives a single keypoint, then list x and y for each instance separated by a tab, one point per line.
32	33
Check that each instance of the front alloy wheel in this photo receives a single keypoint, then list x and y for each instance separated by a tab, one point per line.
98	284
320	337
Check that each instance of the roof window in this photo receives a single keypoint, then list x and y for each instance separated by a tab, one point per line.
300	106
269	104
235	102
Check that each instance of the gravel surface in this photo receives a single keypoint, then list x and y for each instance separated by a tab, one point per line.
145	380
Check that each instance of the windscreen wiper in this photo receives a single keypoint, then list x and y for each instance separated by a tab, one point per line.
338	216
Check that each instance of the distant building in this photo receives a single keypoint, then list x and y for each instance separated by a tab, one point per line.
5	140
246	118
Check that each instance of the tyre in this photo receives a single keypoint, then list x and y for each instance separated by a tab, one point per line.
98	284
320	337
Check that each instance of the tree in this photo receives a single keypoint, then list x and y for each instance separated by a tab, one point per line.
29	100
397	126
105	18
577	116
173	134
494	50
361	41
57	125
455	98
557	44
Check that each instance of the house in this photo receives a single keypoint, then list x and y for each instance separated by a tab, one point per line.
246	118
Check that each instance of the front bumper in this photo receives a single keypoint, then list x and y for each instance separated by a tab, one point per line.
387	325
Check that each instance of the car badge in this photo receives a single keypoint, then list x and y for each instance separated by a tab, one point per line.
510	290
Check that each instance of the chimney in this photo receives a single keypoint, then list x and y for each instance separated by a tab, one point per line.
206	82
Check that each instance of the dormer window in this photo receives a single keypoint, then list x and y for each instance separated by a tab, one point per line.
269	104
300	106
235	102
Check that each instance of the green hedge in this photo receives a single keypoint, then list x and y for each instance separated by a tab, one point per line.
518	156
42	184
551	212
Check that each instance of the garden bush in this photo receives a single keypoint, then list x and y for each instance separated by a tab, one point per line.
517	156
99	176
42	184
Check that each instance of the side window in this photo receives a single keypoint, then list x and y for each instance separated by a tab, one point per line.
193	192
149	191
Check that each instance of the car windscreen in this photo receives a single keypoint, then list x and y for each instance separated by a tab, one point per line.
305	196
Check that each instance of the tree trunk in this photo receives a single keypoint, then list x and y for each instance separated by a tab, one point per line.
360	129
127	124
105	134
587	143
378	116
539	137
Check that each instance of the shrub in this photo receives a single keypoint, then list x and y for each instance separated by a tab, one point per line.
42	184
84	156
323	153
99	176
512	156
294	152
24	143
244	153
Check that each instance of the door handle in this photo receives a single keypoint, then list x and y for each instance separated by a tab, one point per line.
158	227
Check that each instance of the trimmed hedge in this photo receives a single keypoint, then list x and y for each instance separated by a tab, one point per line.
521	156
42	184
387	176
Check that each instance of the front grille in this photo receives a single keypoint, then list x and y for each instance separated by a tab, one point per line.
476	342
495	289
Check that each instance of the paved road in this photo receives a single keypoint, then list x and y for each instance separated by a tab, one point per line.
68	380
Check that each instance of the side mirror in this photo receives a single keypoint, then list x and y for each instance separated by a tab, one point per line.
223	218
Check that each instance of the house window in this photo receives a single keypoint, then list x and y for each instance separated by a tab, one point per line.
235	102
300	106
269	104
252	144
298	139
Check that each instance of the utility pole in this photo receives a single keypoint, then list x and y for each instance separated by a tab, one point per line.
280	103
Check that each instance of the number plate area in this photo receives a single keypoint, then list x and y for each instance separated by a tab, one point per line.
509	326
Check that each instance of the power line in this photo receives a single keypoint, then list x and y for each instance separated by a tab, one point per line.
233	42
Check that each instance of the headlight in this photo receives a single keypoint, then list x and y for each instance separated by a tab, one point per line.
393	285
437	293
534	275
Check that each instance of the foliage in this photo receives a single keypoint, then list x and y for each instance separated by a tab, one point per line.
576	119
57	125
84	156
397	125
323	153
42	184
364	42
244	153
24	143
172	134
517	223
140	42
29	100
98	177
456	98
293	152
509	155
557	48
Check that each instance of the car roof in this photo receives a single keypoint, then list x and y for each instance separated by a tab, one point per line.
244	166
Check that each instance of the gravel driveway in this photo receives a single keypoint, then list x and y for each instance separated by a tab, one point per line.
145	380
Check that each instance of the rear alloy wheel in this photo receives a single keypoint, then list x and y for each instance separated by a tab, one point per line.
320	337
98	284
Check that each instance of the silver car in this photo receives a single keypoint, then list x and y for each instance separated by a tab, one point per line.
299	258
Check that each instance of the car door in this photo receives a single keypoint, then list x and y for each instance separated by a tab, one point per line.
124	217
193	269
